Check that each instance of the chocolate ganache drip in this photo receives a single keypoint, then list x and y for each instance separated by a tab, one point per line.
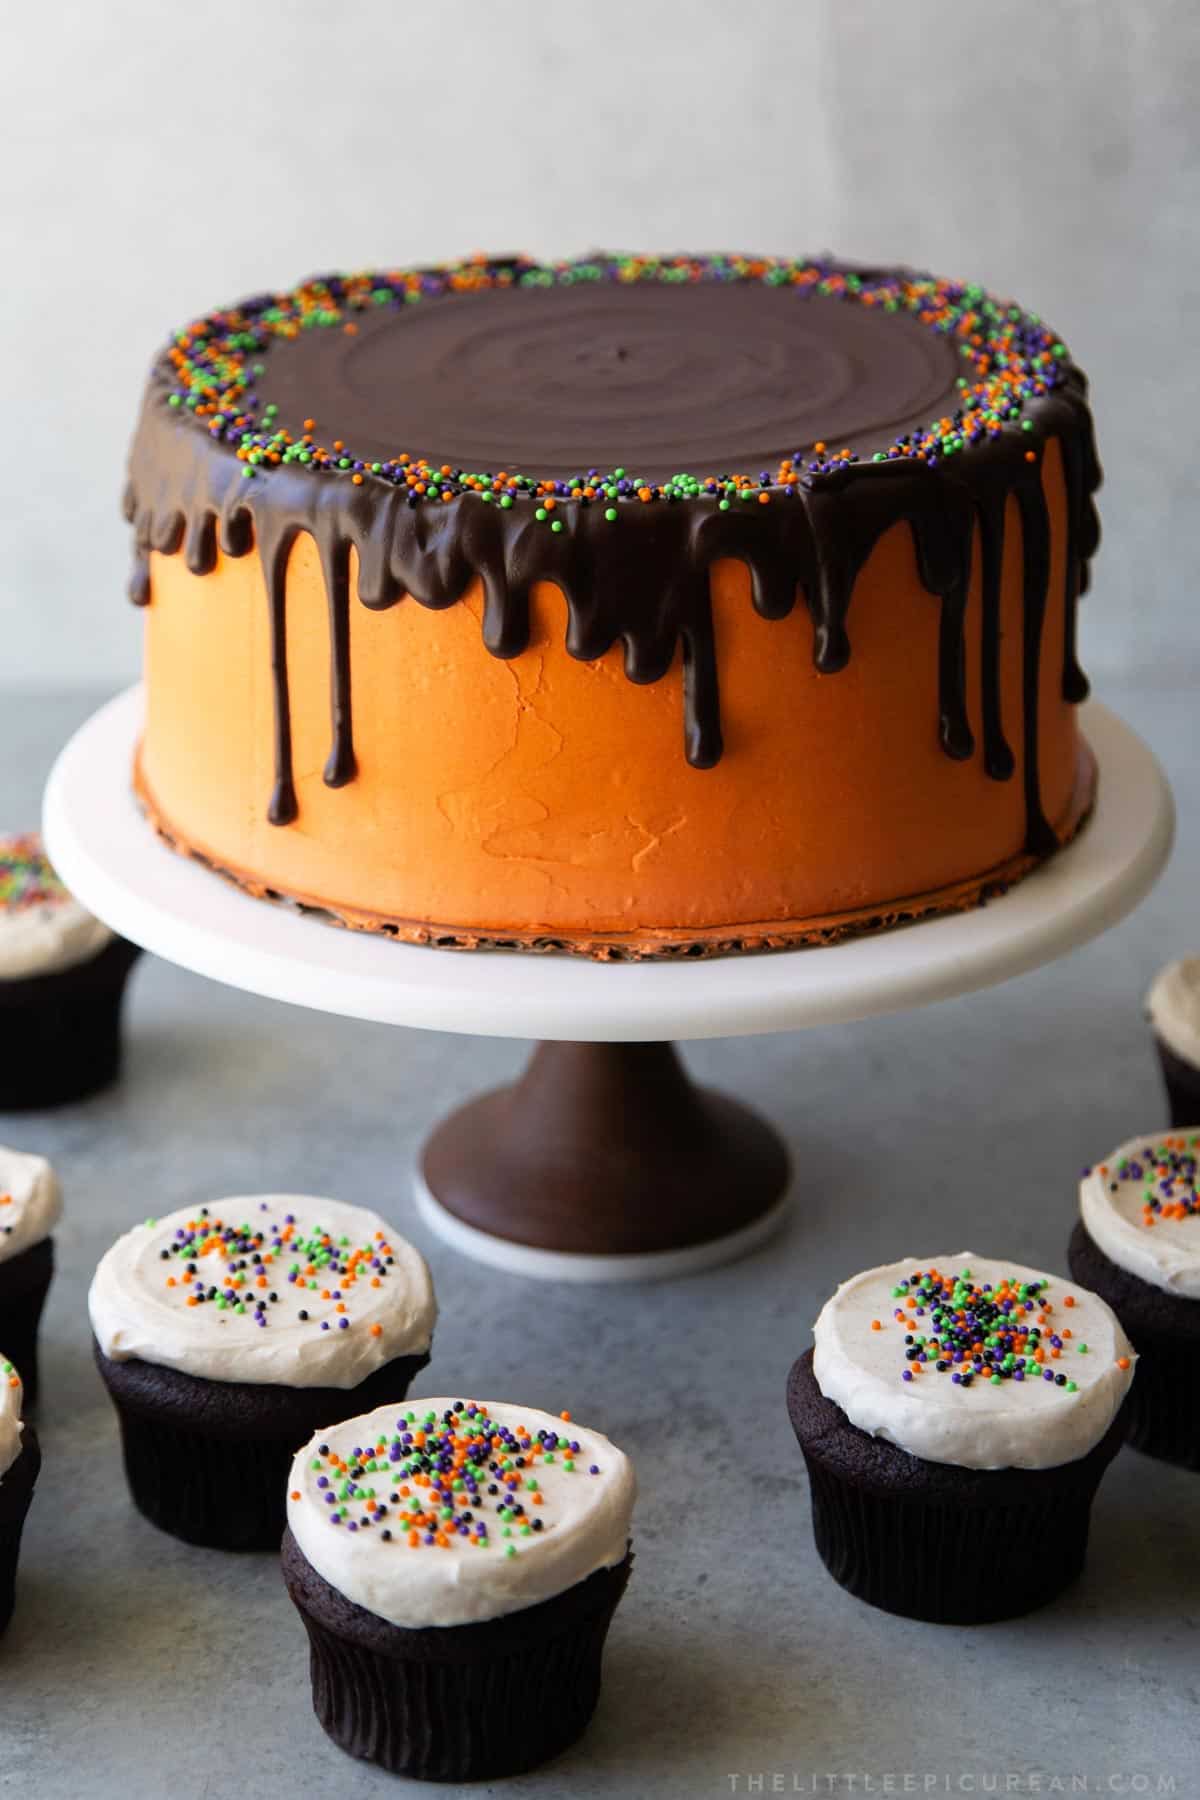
819	380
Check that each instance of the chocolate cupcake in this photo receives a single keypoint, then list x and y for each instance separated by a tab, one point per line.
62	981
20	1461
30	1204
956	1416
1173	1008
456	1565
226	1334
1137	1244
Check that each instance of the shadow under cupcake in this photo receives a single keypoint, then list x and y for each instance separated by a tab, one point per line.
1137	1243
62	985
956	1417
456	1565
226	1334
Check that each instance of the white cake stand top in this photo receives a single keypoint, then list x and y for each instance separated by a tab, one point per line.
109	856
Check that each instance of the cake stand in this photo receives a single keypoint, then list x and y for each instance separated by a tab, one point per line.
604	1161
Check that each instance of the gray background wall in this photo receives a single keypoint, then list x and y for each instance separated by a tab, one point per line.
160	158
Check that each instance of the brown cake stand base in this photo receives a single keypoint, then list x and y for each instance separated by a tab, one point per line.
604	1161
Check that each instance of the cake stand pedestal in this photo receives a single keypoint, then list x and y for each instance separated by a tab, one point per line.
604	1161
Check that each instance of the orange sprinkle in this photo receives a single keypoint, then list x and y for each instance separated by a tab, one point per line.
295	1493
1122	1362
875	1325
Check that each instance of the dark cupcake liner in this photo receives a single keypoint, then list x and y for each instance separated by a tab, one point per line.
934	1541
456	1702
208	1461
1182	1082
24	1284
62	1031
1164	1329
16	1491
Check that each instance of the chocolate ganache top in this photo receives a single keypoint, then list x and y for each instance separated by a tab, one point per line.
614	426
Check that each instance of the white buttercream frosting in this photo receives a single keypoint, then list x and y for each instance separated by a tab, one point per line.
10	1415
538	1509
30	1201
43	928
1028	1422
1173	1004
1140	1207
281	1288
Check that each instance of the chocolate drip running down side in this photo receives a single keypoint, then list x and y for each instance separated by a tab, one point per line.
643	578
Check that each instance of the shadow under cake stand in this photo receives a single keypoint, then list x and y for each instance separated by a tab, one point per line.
604	1161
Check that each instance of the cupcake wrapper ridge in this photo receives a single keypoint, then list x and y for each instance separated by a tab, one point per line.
933	1541
208	1461
1164	1401
62	1031
455	1703
1182	1082
24	1283
16	1492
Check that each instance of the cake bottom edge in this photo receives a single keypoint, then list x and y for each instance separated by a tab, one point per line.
650	943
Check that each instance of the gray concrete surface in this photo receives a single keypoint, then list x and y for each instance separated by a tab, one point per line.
137	1668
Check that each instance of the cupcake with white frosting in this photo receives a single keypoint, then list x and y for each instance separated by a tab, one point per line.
1173	1008
956	1415
227	1333
62	983
20	1461
1137	1243
30	1205
456	1564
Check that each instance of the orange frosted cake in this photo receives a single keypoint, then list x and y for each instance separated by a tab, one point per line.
632	606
